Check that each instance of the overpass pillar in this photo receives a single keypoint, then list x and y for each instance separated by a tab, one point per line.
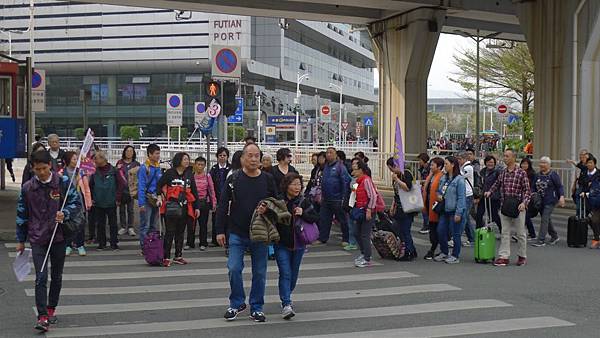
404	47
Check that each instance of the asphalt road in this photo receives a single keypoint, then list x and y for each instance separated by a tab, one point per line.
117	295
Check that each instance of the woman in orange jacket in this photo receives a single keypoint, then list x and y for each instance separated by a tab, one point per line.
430	197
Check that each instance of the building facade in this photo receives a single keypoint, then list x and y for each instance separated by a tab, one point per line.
127	59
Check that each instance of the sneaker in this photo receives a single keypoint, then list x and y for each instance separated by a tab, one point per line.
429	256
363	263
166	263
501	262
180	261
202	248
344	244
52	316
441	257
451	243
187	247
452	260
231	313
531	239
131	232
100	248
351	247
42	324
408	256
467	244
553	241
288	312
424	230
81	251
122	231
258	316
595	244
68	251
539	244
359	258
522	261
115	247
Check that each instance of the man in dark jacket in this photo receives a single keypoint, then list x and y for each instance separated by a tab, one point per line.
219	173
56	153
38	212
106	196
334	190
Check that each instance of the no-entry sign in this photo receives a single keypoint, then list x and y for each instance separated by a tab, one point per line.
325	114
502	109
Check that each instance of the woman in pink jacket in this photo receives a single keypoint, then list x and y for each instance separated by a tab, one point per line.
208	203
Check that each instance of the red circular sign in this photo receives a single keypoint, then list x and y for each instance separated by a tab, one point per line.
325	110
502	109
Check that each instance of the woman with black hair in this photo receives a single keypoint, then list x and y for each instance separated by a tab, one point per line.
489	175
124	165
452	194
528	167
283	167
289	251
363	213
178	205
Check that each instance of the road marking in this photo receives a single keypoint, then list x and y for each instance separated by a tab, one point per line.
161	272
460	329
214	259
203	324
224	285
223	301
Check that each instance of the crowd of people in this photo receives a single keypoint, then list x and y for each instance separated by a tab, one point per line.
268	210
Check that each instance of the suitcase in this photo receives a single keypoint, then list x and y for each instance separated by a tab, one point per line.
485	239
153	246
388	246
577	228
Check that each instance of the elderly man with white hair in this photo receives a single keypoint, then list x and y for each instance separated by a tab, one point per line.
56	154
548	185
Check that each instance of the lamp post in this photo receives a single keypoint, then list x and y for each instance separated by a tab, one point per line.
478	39
341	90
258	115
299	79
8	33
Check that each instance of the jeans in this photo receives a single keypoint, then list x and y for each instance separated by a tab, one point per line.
288	262
203	232
466	221
126	214
494	213
353	234
404	224
101	215
235	265
328	210
445	226
363	230
175	228
433	236
78	239
425	215
56	261
529	225
546	224
519	224
148	219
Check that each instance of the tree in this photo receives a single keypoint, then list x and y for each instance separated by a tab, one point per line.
506	75
130	133
175	133
236	133
79	133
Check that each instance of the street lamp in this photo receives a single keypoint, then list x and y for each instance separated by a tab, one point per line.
8	33
478	39
340	88
299	79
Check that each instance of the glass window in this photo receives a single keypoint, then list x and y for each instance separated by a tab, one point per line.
5	96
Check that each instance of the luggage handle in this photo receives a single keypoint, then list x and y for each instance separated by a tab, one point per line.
582	207
488	210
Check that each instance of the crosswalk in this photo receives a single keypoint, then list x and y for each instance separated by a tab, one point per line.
116	294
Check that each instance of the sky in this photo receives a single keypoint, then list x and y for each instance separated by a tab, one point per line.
438	84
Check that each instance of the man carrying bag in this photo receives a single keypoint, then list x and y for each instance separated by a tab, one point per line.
514	194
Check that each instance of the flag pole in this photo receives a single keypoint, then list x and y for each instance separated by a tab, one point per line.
86	144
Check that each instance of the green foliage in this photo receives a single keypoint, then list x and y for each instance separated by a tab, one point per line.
235	133
40	132
130	133
79	133
515	144
175	133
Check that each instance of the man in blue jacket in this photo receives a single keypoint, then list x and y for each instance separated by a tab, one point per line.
148	176
335	190
38	213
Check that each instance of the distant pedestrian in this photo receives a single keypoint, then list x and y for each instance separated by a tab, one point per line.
489	174
148	176
124	165
548	185
219	173
266	163
528	167
9	167
514	194
363	214
106	195
28	172
82	187
424	168
577	187
207	203
592	179
430	193
283	167
467	170
56	153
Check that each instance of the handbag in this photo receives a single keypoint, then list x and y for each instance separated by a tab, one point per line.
308	232
510	207
412	200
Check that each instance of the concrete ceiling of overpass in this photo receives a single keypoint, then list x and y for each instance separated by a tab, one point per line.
465	15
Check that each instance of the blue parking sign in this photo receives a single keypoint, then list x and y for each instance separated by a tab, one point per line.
238	116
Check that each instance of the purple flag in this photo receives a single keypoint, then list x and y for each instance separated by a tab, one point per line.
399	153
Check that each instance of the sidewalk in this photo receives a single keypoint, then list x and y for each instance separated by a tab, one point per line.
8	212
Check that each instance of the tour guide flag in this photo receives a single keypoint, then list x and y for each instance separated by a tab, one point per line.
399	154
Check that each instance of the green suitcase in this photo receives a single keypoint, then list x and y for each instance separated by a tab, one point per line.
485	240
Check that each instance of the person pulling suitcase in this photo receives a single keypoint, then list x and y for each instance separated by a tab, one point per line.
485	239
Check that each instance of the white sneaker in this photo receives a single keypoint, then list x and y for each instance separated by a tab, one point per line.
452	260
132	232
451	243
122	231
441	257
288	312
359	258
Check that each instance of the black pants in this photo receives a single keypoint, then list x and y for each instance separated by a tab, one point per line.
175	229
56	262
495	214
203	229
433	236
101	215
92	224
126	212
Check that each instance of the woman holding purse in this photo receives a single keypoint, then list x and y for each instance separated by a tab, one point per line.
290	249
402	180
207	203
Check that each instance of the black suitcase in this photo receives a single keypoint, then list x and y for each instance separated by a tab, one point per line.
577	229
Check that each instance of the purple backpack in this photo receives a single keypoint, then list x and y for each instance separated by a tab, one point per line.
306	232
153	248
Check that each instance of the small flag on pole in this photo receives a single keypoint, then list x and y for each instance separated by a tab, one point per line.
87	145
399	153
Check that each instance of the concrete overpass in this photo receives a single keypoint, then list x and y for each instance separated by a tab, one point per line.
563	36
